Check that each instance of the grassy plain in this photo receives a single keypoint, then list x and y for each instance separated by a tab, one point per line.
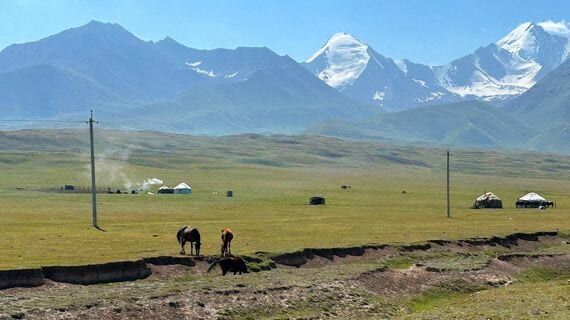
272	178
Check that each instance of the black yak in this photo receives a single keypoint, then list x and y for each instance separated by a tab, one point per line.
230	264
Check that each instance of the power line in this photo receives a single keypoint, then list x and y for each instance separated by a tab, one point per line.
131	119
42	121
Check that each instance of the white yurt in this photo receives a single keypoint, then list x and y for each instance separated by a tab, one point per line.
183	188
533	200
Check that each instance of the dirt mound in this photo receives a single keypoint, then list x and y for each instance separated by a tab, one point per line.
98	273
547	260
86	274
321	255
498	272
509	240
401	282
21	278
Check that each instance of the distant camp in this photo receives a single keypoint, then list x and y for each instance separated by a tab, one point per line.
181	188
488	200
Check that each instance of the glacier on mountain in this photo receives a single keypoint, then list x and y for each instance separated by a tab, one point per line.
507	67
346	58
498	71
354	68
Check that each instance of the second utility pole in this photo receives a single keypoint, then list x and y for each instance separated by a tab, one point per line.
448	202
93	185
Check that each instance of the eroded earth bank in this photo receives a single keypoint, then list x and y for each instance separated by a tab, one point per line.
517	276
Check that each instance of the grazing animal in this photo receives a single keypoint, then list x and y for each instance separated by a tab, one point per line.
345	187
404	192
227	237
230	264
189	234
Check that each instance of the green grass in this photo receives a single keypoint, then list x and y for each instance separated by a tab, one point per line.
435	296
542	300
401	262
541	274
272	178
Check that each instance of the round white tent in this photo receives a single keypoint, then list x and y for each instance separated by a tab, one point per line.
532	200
183	188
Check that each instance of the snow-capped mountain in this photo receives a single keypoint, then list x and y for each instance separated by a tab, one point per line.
508	67
498	71
341	61
357	70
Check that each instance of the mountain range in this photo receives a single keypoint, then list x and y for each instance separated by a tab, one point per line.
498	71
345	89
539	119
102	65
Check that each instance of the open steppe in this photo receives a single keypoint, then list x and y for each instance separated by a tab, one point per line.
272	178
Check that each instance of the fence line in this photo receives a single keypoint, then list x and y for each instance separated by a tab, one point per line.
73	189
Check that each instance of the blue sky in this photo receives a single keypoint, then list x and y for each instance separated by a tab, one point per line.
432	32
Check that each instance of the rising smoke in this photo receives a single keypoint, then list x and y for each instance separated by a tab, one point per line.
111	166
145	185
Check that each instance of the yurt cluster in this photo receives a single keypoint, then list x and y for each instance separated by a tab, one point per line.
181	188
489	200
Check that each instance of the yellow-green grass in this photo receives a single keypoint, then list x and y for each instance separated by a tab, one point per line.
537	300
269	211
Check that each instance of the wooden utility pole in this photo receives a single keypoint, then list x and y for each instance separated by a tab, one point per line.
448	201
93	186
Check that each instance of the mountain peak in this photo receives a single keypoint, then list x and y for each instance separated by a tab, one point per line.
341	60
103	31
99	25
340	41
168	41
523	40
95	23
344	38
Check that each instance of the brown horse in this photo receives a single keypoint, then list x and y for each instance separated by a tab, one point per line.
189	234
227	237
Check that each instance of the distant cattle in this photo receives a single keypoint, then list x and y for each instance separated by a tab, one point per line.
404	192
346	187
